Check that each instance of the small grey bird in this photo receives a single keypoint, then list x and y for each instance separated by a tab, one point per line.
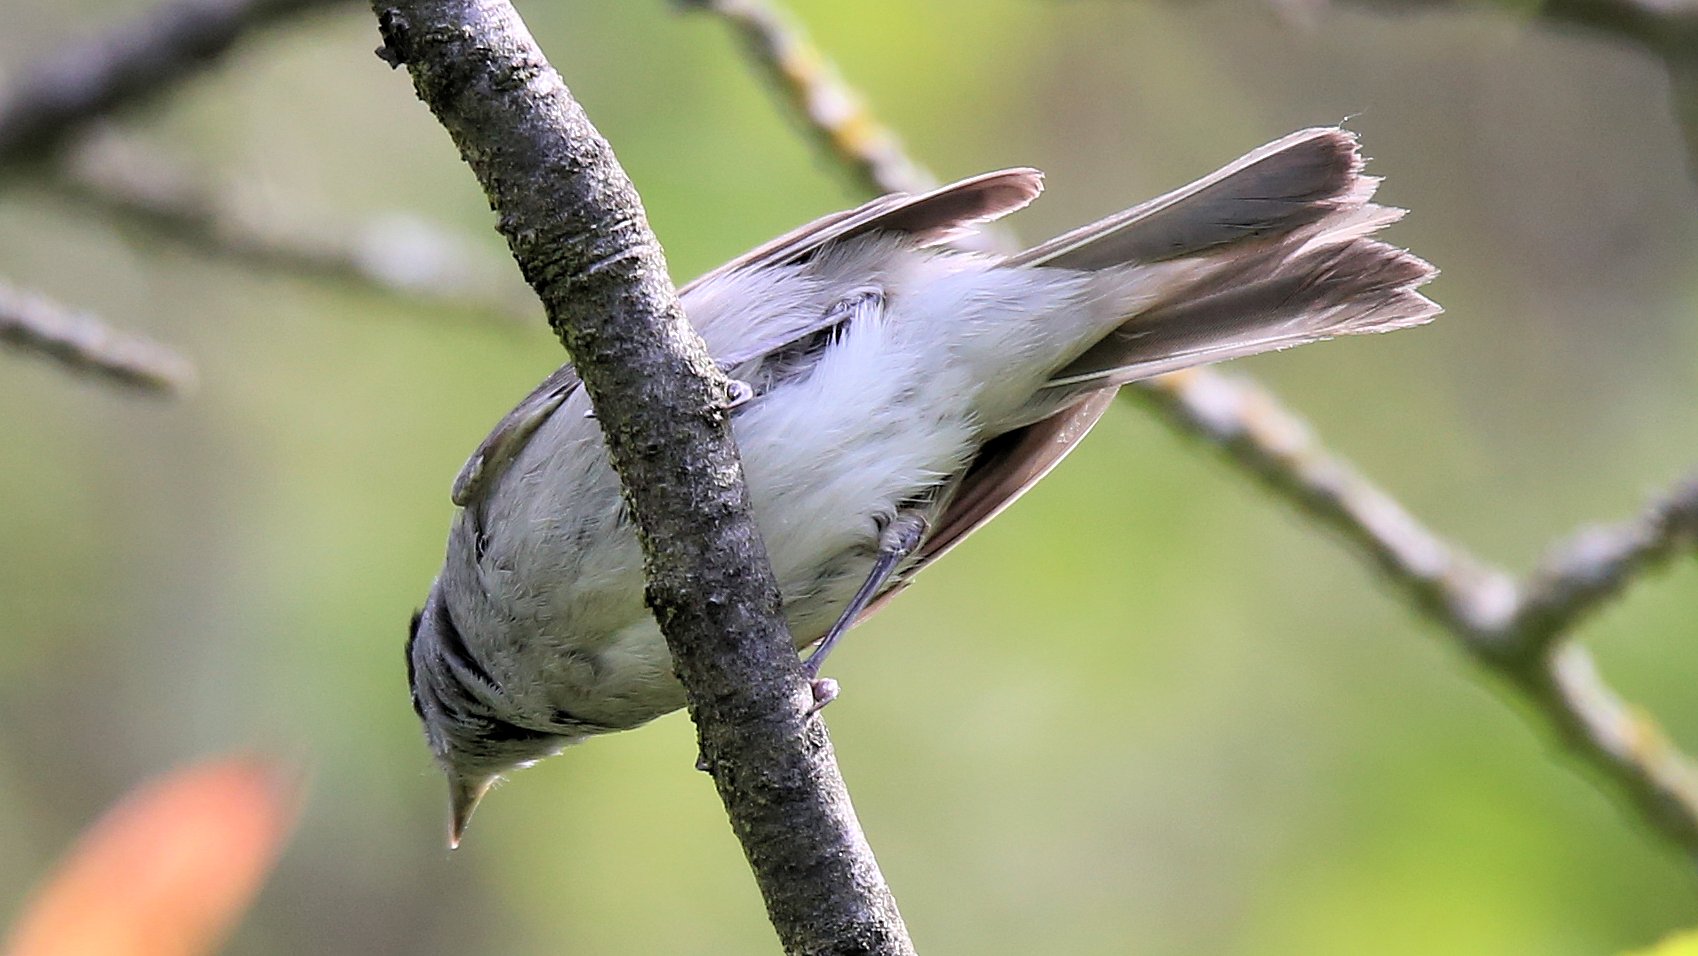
895	392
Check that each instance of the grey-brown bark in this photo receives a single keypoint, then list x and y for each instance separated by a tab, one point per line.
579	233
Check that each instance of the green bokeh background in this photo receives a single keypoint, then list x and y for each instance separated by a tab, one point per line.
1148	711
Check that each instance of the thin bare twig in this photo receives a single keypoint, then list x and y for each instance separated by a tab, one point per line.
48	106
1268	441
833	113
1515	630
1599	562
82	343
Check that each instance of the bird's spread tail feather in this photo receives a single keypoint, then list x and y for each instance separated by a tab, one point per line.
1269	252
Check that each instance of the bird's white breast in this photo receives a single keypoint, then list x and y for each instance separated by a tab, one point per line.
893	407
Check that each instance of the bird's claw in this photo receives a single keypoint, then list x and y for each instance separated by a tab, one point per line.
825	690
737	394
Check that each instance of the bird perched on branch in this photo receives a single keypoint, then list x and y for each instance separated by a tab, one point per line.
894	393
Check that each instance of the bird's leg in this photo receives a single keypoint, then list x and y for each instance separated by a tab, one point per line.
900	538
738	394
864	302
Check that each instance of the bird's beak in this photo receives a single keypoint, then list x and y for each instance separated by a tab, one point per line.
464	792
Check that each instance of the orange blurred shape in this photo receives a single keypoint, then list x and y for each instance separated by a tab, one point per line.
170	869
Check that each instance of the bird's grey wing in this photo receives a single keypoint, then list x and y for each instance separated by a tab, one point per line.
510	434
1004	469
929	218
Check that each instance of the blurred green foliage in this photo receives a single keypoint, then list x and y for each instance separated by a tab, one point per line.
1680	944
1147	711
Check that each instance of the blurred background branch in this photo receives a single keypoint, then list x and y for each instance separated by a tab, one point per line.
128	66
420	264
54	123
1516	632
80	342
1667	29
831	111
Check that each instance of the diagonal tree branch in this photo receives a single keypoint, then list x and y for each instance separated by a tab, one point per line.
834	115
1516	631
580	235
82	343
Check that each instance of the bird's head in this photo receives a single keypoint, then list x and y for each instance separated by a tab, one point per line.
465	715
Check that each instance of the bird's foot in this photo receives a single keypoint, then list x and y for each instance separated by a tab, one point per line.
825	690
